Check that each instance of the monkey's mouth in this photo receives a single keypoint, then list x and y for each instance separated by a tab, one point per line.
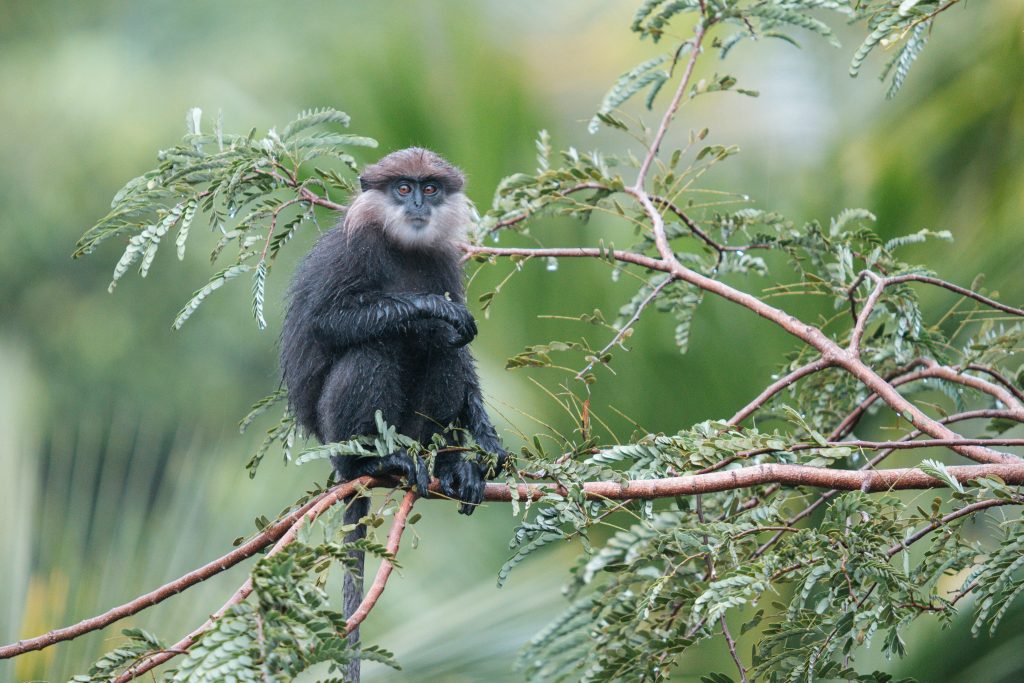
418	221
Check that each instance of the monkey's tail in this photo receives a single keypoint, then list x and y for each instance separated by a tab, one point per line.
355	509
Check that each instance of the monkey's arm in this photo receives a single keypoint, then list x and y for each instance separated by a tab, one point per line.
464	479
474	419
364	317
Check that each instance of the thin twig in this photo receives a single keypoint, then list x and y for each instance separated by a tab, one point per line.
525	214
946	519
698	232
732	649
999	377
626	327
778	386
677	99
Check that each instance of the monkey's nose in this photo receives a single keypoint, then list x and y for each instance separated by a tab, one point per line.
419	214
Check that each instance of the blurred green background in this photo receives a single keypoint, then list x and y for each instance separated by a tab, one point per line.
121	465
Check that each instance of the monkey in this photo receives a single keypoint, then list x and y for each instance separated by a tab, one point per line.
377	321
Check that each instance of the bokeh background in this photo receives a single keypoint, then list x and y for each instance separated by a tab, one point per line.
120	463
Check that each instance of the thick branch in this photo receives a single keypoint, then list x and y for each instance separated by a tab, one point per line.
757	475
286	530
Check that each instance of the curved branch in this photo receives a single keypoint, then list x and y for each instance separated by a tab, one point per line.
931	370
830	351
962	291
386	565
999	377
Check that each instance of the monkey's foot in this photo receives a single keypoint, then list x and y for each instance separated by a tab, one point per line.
394	465
462	480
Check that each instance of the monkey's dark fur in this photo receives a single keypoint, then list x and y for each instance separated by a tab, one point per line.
377	321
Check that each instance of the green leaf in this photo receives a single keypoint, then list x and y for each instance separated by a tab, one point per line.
215	283
934	468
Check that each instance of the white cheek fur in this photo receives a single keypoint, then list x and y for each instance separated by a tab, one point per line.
447	223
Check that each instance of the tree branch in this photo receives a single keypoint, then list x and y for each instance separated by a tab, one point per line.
757	475
931	370
329	499
780	385
286	530
247	550
698	232
999	377
946	519
619	334
962	291
861	320
677	99
869	465
384	571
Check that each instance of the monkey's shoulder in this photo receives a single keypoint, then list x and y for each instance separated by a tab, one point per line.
347	261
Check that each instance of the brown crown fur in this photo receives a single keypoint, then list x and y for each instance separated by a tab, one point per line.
415	163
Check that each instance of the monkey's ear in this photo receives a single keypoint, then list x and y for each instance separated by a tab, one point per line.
363	185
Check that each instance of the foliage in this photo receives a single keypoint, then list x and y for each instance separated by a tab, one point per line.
256	192
653	578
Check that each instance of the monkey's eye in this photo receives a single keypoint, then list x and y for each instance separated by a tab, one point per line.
404	188
429	189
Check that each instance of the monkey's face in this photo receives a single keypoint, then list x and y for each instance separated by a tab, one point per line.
421	212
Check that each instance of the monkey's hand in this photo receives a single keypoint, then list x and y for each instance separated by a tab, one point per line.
452	312
463	327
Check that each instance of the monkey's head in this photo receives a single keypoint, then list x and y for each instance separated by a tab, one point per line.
415	196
